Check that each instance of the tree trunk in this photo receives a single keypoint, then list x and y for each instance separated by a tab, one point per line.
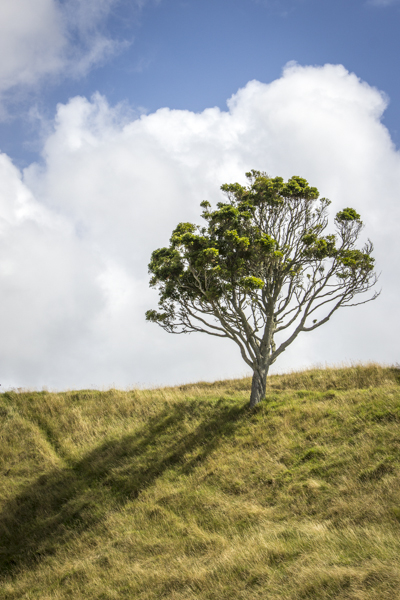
258	386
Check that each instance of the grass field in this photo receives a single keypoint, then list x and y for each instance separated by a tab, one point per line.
183	493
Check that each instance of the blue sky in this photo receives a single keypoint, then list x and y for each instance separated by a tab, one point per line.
194	54
118	117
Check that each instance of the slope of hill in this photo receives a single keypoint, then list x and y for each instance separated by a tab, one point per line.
183	493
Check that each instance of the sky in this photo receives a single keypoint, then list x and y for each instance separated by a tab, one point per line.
118	117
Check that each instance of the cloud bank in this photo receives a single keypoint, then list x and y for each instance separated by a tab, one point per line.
77	230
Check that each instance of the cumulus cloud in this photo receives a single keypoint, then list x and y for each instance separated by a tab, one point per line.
45	298
49	38
79	228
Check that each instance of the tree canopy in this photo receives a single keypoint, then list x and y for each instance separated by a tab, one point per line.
262	266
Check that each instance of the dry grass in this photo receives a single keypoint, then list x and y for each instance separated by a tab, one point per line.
183	493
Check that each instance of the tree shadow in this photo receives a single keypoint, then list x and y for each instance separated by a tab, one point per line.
65	502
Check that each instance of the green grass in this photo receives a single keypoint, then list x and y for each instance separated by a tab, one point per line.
183	493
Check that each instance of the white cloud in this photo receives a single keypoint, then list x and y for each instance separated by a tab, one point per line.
31	40
49	38
48	286
74	250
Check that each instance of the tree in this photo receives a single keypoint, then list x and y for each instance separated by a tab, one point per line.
261	267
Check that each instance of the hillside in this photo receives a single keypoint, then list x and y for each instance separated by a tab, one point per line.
183	493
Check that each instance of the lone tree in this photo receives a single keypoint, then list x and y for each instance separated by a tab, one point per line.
261	266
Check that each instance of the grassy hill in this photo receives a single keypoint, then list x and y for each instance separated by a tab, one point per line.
183	493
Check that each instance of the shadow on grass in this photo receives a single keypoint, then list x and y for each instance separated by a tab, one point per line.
66	502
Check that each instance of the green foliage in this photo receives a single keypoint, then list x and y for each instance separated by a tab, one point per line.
348	214
252	283
239	243
355	260
233	247
319	248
